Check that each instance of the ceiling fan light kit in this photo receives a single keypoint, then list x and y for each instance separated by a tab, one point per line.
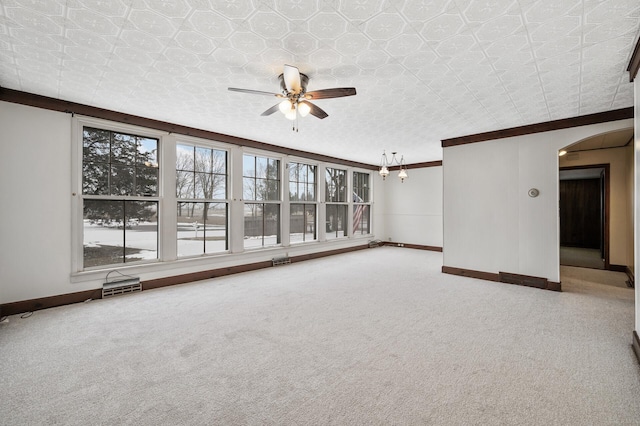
385	163
293	85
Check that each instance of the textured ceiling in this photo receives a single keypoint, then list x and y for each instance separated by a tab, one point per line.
424	70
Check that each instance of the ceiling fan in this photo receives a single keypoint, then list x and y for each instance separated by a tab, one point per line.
295	96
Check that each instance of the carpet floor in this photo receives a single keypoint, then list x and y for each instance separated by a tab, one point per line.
377	336
581	257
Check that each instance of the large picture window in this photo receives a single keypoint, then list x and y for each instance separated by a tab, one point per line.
141	197
302	197
336	203
201	189
361	204
261	192
120	197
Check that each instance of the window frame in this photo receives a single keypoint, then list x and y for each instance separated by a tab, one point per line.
279	202
365	203
339	202
78	197
209	145
304	203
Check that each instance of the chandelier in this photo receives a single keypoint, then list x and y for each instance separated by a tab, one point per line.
385	164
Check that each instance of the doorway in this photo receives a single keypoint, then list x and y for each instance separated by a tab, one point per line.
584	216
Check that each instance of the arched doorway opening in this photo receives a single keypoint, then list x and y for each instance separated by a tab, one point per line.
596	194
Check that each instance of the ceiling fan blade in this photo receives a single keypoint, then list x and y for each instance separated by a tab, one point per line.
315	110
337	92
292	79
255	92
271	110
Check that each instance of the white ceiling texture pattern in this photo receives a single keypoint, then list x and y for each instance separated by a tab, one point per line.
424	70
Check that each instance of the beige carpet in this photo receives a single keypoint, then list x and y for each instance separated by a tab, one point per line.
581	257
378	336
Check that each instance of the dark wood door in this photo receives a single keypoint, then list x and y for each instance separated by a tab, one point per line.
581	213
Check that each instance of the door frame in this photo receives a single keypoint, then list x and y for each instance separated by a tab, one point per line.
607	204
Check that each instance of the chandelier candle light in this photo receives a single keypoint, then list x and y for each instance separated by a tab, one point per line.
385	164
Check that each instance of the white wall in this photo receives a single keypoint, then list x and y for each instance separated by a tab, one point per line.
620	228
36	215
490	222
35	218
413	209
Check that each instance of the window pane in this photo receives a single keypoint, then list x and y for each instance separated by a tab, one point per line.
219	162
95	146
293	172
336	220
311	175
95	179
122	180
302	175
272	190
119	231
361	214
297	219
184	184
123	148
302	223
360	187
304	188
184	157
201	173
202	228
249	188
148	152
253	225
190	225
261	225
103	240
119	164
261	167
293	191
219	187
204	160
335	184
271	224
204	185
341	185
311	192
216	228
249	166
141	236
147	181
310	222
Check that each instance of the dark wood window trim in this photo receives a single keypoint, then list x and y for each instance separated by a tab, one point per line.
547	126
38	101
634	62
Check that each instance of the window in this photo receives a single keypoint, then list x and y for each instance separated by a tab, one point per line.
261	192
302	196
336	202
201	189
361	206
119	197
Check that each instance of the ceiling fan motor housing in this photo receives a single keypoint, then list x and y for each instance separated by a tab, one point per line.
304	80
